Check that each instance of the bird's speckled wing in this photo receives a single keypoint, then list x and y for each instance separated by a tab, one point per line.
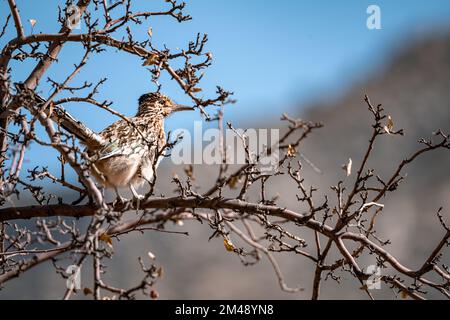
123	139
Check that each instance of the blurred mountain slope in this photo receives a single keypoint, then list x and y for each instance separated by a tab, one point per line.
414	88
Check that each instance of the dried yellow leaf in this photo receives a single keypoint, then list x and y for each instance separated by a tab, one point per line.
150	32
390	123
291	151
87	291
160	272
189	170
32	22
348	167
153	59
389	126
154	294
228	244
106	238
404	294
233	182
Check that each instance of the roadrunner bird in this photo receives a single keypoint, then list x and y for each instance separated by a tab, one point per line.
124	154
128	156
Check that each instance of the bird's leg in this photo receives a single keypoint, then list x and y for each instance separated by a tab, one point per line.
135	193
119	197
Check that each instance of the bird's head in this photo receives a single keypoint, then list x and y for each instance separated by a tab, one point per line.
157	103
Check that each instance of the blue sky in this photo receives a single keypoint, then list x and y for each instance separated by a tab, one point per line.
275	55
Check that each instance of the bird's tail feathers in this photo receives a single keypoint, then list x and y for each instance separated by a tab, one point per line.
76	127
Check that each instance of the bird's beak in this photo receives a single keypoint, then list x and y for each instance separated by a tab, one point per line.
180	107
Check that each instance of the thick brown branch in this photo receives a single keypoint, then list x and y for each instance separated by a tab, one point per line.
16	16
157	203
